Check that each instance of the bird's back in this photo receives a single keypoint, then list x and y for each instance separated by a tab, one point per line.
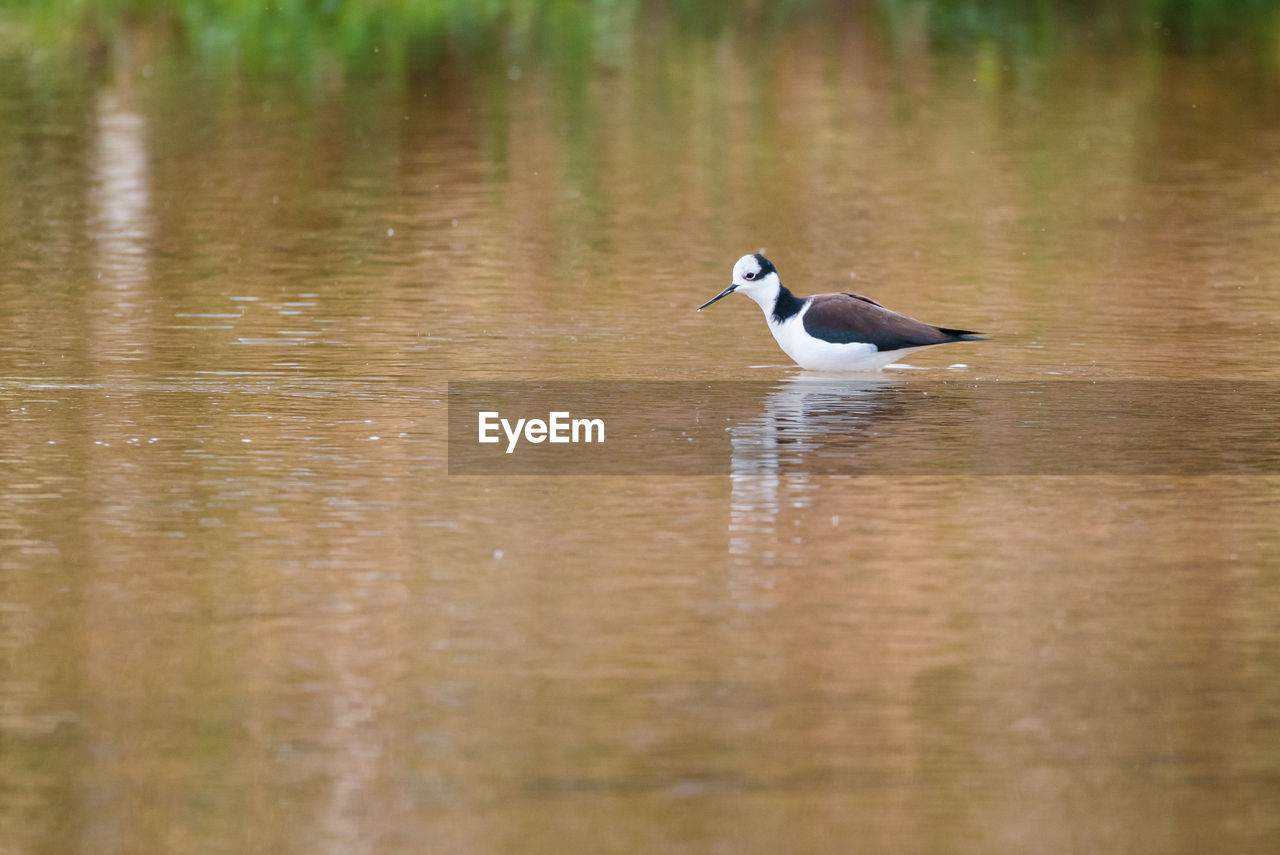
847	318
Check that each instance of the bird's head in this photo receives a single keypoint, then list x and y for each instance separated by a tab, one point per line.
753	275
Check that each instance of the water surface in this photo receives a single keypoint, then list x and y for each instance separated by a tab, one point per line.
245	607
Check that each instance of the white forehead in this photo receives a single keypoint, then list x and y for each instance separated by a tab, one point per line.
746	264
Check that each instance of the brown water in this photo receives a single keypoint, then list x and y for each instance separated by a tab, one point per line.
244	607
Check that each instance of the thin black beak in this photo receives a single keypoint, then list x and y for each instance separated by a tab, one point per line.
725	293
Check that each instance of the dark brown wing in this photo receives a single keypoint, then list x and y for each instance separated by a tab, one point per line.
864	298
848	318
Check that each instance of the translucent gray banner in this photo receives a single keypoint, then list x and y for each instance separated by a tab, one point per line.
861	427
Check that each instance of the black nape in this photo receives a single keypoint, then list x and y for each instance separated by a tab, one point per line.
786	305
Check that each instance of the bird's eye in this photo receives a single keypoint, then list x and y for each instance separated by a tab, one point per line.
748	276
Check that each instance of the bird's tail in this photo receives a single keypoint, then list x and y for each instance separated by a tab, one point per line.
964	335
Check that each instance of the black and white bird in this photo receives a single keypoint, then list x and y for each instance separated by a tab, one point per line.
833	332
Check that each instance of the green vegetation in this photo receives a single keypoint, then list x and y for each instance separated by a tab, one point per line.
427	35
1185	26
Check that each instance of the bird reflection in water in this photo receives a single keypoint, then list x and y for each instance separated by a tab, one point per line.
776	455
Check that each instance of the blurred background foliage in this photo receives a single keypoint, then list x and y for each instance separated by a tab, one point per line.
422	36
